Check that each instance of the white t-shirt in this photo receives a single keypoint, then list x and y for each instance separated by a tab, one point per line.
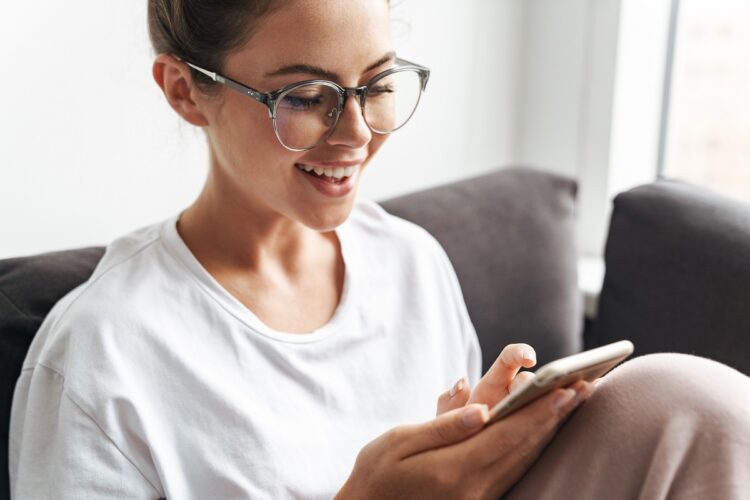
151	380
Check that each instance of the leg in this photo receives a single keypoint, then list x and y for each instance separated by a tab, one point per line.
658	426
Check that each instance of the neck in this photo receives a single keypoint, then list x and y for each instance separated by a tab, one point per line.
227	232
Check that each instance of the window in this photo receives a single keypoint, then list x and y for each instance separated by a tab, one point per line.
706	129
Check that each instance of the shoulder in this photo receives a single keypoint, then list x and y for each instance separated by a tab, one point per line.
129	251
395	250
122	290
378	227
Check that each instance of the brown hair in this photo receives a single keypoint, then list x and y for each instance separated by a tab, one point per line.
204	32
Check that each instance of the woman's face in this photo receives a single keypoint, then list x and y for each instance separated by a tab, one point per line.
346	38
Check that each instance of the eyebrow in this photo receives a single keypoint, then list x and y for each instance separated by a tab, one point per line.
329	75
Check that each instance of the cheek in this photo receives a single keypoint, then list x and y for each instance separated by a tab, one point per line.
375	143
251	143
251	129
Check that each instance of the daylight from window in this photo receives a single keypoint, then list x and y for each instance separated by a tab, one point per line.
708	127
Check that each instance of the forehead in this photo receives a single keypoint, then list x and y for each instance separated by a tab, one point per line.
342	36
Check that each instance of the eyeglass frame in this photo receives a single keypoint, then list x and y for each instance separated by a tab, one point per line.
271	99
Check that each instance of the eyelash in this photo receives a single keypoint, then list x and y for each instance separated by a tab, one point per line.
302	102
383	89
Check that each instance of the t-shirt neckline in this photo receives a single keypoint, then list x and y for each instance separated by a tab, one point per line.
180	251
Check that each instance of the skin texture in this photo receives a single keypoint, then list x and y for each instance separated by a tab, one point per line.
267	236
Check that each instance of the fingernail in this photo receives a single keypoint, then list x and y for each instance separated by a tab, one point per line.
529	354
565	398
475	416
458	386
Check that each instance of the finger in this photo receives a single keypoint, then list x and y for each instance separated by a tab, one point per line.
521	451
449	428
550	409
526	431
494	385
520	379
527	448
455	397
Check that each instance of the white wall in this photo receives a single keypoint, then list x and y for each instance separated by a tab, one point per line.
89	148
552	92
590	99
565	116
466	123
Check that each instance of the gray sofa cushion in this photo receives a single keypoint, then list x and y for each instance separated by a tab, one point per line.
678	274
510	237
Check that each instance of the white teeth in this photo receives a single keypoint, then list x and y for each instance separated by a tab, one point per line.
336	173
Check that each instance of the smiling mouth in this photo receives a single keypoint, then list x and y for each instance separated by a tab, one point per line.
336	175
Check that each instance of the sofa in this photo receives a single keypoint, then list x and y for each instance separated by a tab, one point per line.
677	271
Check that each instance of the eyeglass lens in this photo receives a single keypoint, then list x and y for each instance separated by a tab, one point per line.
306	115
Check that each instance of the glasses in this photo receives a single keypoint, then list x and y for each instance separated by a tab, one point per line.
304	114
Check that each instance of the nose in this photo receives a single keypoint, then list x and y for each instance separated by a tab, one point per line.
351	130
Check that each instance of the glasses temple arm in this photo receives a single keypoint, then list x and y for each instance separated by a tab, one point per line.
258	96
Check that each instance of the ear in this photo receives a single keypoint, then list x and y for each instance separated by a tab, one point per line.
175	80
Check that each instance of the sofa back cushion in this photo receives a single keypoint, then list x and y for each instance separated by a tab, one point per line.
678	274
510	237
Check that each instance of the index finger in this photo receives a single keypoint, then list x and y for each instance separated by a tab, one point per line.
494	385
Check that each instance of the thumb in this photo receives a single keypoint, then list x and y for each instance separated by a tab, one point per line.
449	428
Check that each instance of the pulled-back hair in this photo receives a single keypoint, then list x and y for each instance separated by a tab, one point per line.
204	32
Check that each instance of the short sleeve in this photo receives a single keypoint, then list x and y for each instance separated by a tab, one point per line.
58	451
472	349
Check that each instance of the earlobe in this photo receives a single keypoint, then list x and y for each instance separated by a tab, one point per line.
173	78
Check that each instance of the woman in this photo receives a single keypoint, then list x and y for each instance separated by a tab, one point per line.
279	339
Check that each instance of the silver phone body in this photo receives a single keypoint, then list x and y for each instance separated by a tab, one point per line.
563	372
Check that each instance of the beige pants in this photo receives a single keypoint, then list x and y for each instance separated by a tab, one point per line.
663	426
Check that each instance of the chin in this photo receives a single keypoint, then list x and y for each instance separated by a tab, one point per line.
328	219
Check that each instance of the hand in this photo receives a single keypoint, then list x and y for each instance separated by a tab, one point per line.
449	458
500	380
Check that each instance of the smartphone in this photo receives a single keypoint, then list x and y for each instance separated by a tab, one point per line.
587	365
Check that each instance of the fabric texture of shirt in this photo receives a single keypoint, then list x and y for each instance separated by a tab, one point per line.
150	379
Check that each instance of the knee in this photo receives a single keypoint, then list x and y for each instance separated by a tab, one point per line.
668	384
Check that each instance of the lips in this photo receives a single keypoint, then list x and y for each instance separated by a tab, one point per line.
339	183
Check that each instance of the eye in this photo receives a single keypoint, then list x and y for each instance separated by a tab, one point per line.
302	102
381	88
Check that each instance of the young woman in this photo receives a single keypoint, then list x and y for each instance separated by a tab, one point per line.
280	338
